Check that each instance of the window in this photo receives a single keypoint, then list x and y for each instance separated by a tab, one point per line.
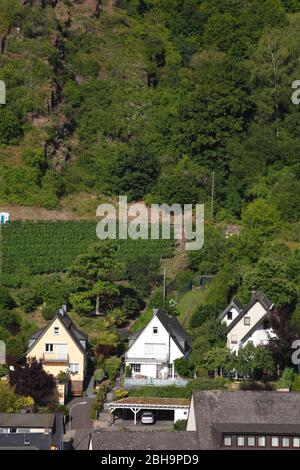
149	349
285	442
247	321
296	441
261	441
13	430
56	330
229	316
227	441
234	339
136	367
74	368
49	347
275	441
240	441
251	441
155	330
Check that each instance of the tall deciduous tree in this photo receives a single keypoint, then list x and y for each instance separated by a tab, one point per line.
92	279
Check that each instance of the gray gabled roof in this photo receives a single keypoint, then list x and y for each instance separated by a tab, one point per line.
31	441
255	297
76	334
233	303
143	440
173	327
221	410
26	420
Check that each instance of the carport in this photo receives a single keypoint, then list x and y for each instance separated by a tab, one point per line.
180	406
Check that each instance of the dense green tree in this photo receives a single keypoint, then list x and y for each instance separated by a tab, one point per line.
92	277
254	361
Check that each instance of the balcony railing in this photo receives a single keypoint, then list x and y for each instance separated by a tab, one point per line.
135	382
55	357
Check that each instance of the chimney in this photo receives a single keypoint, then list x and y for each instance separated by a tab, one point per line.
253	295
62	312
155	311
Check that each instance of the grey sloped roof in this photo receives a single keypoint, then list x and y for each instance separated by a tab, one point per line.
76	334
82	439
37	441
31	441
255	297
219	409
233	303
144	440
173	327
27	420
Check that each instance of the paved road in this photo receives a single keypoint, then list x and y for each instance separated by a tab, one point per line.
80	415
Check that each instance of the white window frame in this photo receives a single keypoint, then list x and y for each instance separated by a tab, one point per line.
278	441
75	370
288	442
149	349
248	322
296	439
229	437
259	444
234	339
243	440
248	441
49	350
136	366
155	328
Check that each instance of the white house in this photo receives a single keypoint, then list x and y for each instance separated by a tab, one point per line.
231	312
153	350
248	324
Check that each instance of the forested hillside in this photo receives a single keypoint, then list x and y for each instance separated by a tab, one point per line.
147	98
150	98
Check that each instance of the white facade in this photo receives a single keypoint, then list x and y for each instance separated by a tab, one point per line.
250	328
180	414
153	352
230	316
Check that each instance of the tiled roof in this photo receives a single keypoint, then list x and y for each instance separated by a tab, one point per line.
144	440
173	327
76	334
242	408
255	297
27	420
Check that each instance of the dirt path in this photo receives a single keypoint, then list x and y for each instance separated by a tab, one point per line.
39	213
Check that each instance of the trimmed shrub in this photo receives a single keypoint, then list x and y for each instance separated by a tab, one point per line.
120	393
180	425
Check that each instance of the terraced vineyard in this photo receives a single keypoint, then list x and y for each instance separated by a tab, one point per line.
46	247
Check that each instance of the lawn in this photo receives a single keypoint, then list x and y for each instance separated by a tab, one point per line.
189	302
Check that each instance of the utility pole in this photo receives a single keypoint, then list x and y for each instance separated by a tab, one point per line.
164	293
212	196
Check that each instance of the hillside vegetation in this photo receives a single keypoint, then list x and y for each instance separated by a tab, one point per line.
150	99
147	98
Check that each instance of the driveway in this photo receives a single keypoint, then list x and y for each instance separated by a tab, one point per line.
80	414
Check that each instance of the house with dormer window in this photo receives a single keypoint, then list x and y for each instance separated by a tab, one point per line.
248	324
153	350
